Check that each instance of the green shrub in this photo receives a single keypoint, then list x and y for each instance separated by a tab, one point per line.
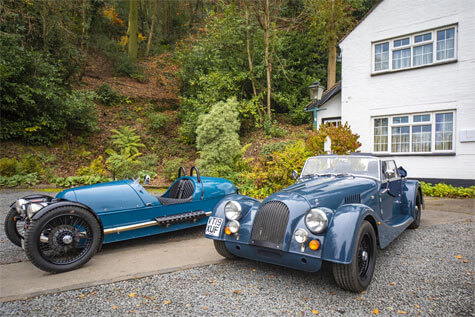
149	162
122	164
271	128
96	168
17	180
156	121
8	167
217	139
444	190
106	95
30	164
125	139
270	148
79	180
170	168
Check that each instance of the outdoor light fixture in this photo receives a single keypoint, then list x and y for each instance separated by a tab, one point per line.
315	91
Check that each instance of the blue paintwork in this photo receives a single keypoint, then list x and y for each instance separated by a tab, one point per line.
344	220
126	202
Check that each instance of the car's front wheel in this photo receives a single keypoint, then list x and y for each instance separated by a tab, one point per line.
14	227
417	213
63	239
357	275
222	250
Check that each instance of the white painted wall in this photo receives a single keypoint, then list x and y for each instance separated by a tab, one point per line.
331	109
438	87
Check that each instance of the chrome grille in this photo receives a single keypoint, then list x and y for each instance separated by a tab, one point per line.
270	225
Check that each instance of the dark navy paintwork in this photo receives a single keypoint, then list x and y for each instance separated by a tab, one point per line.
125	202
390	212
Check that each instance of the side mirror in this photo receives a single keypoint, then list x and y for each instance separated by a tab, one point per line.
146	180
295	174
402	171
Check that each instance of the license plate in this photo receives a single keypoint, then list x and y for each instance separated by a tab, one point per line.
213	228
22	243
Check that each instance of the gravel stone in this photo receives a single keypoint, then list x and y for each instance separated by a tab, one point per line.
418	274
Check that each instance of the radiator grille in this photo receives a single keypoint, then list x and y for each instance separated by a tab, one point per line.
270	225
353	199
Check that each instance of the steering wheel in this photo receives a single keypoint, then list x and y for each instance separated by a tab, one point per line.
181	171
194	168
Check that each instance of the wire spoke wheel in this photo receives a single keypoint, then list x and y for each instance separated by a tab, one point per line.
69	237
364	256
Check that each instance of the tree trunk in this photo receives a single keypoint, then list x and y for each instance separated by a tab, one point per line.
133	30
331	67
267	56
152	27
44	13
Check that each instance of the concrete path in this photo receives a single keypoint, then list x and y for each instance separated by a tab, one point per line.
157	255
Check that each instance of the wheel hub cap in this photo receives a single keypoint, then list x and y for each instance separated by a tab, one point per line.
67	239
364	255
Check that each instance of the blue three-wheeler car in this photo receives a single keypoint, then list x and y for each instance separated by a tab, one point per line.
61	234
340	209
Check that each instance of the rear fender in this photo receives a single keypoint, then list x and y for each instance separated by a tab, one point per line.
62	203
410	191
340	237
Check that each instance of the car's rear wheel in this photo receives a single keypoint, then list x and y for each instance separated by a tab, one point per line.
357	275
63	239
222	250
14	227
417	213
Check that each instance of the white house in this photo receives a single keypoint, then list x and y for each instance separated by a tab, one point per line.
408	87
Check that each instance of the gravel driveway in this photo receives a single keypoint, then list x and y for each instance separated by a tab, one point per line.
428	271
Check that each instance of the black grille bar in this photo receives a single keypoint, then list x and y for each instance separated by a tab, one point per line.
184	217
270	225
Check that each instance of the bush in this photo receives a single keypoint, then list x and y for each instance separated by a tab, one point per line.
270	148
34	101
156	121
271	128
444	190
122	164
8	167
16	180
106	95
170	169
125	139
28	164
343	141
79	180
217	139
96	168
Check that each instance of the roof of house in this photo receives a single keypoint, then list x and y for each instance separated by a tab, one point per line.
360	21
327	95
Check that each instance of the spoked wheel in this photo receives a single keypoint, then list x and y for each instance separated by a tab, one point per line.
417	214
357	275
14	227
63	239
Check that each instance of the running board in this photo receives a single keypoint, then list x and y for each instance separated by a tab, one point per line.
161	221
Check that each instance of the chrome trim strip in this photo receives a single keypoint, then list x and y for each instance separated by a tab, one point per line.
130	227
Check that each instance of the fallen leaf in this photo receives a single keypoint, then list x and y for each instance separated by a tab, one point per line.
402	312
315	312
417	306
137	305
363	292
465	261
237	292
359	298
147	297
332	293
376	311
133	295
253	270
115	307
167	302
204	308
132	311
458	256
392	283
188	305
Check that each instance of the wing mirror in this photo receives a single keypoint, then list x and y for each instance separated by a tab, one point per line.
295	174
146	179
402	171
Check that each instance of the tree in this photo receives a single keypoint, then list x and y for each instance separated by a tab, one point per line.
218	139
330	20
152	27
132	32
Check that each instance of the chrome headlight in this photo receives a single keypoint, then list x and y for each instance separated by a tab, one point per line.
234	226
316	220
232	210
20	205
32	209
301	235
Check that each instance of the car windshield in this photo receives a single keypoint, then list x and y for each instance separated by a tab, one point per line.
341	165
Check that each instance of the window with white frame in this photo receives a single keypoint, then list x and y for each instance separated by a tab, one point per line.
414	133
415	50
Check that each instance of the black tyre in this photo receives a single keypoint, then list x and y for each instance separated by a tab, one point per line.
222	250
14	227
357	275
63	239
417	213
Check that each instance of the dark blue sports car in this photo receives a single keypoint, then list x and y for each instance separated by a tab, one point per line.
340	209
61	234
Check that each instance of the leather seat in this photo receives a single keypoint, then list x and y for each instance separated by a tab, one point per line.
180	192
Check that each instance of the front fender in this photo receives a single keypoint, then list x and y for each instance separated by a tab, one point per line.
341	234
61	203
